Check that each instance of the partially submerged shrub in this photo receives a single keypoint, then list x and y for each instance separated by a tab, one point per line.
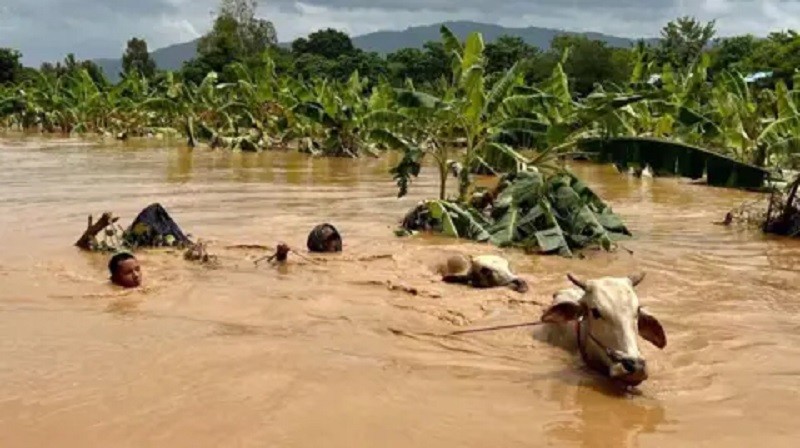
555	214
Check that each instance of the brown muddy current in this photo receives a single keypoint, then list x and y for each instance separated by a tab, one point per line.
336	352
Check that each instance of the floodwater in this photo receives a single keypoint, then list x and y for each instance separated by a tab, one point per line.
336	352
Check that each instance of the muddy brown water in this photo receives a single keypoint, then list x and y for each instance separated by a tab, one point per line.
325	353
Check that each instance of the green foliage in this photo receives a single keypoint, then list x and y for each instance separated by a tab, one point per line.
237	36
506	51
683	41
10	66
779	52
591	62
470	106
327	43
72	67
137	59
732	53
554	214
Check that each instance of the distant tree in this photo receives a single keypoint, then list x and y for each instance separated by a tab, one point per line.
236	36
407	63
71	66
437	61
95	72
504	52
422	67
328	43
540	67
331	53
731	53
368	64
590	62
10	66
137	59
255	35
779	53
622	62
50	70
282	58
310	65
683	41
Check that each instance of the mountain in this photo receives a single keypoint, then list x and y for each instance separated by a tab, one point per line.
172	57
390	41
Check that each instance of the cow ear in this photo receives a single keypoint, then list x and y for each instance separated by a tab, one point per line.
651	330
567	306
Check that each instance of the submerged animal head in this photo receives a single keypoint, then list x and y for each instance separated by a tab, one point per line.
490	270
609	319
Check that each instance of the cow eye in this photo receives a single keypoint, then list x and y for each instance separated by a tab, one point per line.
596	313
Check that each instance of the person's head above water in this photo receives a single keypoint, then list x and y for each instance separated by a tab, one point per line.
125	270
324	238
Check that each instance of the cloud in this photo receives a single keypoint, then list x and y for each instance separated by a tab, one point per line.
49	29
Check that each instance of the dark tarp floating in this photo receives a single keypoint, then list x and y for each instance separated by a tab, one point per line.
668	158
691	164
154	228
720	172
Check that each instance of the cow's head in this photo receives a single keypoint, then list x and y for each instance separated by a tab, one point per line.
610	320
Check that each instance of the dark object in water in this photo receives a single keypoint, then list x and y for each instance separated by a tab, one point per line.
282	252
671	158
419	218
153	227
88	241
281	255
199	252
324	238
783	214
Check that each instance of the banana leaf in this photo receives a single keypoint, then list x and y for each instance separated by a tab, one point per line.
450	219
556	214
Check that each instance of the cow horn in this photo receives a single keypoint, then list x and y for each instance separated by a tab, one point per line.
636	278
577	282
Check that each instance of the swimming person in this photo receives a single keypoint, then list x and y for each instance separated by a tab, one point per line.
324	238
125	270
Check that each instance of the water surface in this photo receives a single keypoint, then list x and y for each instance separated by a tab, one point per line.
326	353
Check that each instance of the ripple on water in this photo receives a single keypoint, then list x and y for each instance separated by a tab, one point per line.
222	351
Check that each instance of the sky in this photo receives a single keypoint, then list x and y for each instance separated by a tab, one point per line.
46	30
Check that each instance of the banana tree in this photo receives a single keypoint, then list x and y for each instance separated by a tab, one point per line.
465	111
338	114
418	125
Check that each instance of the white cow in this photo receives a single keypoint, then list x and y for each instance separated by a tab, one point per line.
604	317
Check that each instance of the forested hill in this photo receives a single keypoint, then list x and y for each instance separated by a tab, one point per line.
171	57
415	37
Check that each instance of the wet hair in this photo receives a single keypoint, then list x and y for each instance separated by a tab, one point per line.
324	238
114	262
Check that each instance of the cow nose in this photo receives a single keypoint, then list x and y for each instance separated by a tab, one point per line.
633	365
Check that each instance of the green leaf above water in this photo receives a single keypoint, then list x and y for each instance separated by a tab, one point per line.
556	214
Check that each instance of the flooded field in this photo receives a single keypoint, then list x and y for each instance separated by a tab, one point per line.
328	353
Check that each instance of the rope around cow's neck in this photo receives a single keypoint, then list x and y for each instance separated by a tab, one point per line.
582	344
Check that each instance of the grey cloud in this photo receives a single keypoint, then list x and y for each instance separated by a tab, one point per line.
48	29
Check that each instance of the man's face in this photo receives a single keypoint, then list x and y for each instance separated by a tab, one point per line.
129	274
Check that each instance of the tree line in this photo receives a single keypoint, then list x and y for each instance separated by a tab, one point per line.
239	37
